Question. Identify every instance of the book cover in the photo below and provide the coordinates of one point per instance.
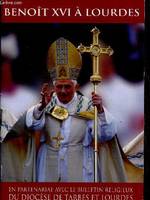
(108, 33)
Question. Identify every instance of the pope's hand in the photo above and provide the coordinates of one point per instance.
(97, 101)
(46, 94)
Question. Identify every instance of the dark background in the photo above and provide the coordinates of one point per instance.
(34, 40)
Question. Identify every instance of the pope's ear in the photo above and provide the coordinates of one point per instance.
(77, 87)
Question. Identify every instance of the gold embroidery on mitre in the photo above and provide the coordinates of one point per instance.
(64, 60)
(62, 72)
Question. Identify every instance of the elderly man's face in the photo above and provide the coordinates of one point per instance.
(65, 90)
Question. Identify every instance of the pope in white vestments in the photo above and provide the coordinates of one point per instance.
(66, 153)
(64, 119)
(74, 160)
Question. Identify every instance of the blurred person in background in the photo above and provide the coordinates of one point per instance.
(125, 100)
(134, 150)
(7, 121)
(16, 144)
(16, 98)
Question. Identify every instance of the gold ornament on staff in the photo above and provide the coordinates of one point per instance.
(95, 50)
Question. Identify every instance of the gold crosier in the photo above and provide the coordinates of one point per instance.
(95, 50)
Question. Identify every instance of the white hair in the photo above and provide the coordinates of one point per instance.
(73, 81)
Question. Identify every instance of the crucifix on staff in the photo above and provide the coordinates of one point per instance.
(95, 50)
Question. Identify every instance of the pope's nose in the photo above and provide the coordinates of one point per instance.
(63, 89)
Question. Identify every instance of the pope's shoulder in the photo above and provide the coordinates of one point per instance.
(86, 103)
